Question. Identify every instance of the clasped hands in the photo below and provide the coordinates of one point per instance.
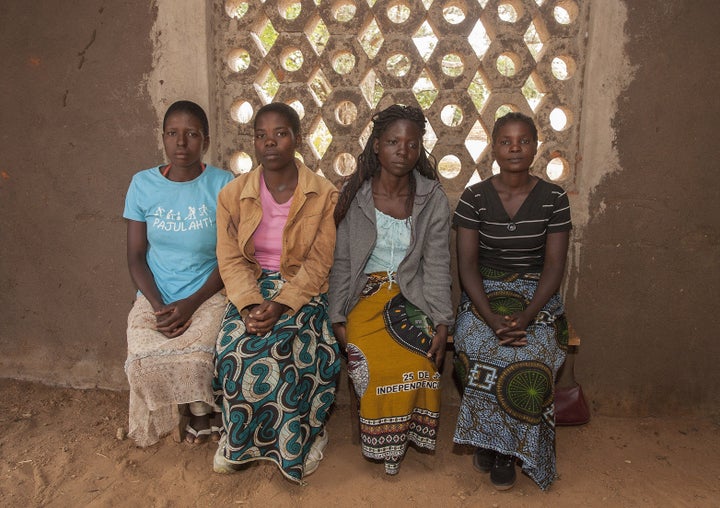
(173, 319)
(261, 318)
(510, 330)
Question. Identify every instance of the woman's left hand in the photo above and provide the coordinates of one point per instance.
(339, 330)
(437, 348)
(514, 333)
(262, 318)
(174, 318)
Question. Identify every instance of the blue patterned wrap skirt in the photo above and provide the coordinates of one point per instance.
(507, 402)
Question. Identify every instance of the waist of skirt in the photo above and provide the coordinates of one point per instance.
(380, 280)
(507, 276)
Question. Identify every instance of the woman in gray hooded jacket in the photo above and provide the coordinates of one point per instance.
(390, 296)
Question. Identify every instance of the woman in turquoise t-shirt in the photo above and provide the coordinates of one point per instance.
(172, 327)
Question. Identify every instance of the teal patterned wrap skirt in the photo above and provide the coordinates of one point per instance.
(275, 390)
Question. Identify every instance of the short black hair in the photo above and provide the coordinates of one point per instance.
(190, 108)
(514, 116)
(282, 109)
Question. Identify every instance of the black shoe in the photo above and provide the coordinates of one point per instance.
(483, 460)
(502, 474)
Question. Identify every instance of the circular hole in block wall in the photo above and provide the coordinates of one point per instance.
(346, 113)
(557, 168)
(343, 11)
(563, 67)
(560, 119)
(291, 59)
(236, 9)
(451, 115)
(449, 166)
(398, 64)
(507, 64)
(565, 12)
(507, 12)
(298, 107)
(452, 65)
(241, 111)
(398, 12)
(240, 162)
(343, 62)
(454, 12)
(289, 9)
(503, 110)
(344, 164)
(238, 60)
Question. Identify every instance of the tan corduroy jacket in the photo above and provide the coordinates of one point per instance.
(308, 239)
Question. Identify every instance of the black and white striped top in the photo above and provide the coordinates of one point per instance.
(517, 244)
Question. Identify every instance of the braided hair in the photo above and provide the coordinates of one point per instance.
(369, 165)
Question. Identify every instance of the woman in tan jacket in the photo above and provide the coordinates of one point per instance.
(277, 362)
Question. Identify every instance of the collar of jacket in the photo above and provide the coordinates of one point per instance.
(423, 189)
(306, 182)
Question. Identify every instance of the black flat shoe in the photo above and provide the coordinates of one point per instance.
(484, 459)
(502, 474)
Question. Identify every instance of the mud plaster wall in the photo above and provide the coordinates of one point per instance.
(80, 111)
(646, 279)
(76, 123)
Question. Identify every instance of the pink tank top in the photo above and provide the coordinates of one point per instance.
(268, 235)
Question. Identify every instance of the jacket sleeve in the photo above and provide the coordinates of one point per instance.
(340, 276)
(312, 277)
(237, 273)
(436, 262)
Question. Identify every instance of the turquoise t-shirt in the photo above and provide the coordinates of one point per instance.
(181, 229)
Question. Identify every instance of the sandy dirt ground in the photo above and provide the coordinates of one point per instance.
(60, 447)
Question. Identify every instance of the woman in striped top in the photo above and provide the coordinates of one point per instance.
(511, 334)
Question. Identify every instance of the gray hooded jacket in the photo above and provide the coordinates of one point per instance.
(424, 273)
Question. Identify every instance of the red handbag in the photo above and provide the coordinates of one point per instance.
(570, 405)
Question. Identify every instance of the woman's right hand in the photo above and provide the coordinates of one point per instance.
(174, 318)
(508, 329)
(262, 317)
(339, 332)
